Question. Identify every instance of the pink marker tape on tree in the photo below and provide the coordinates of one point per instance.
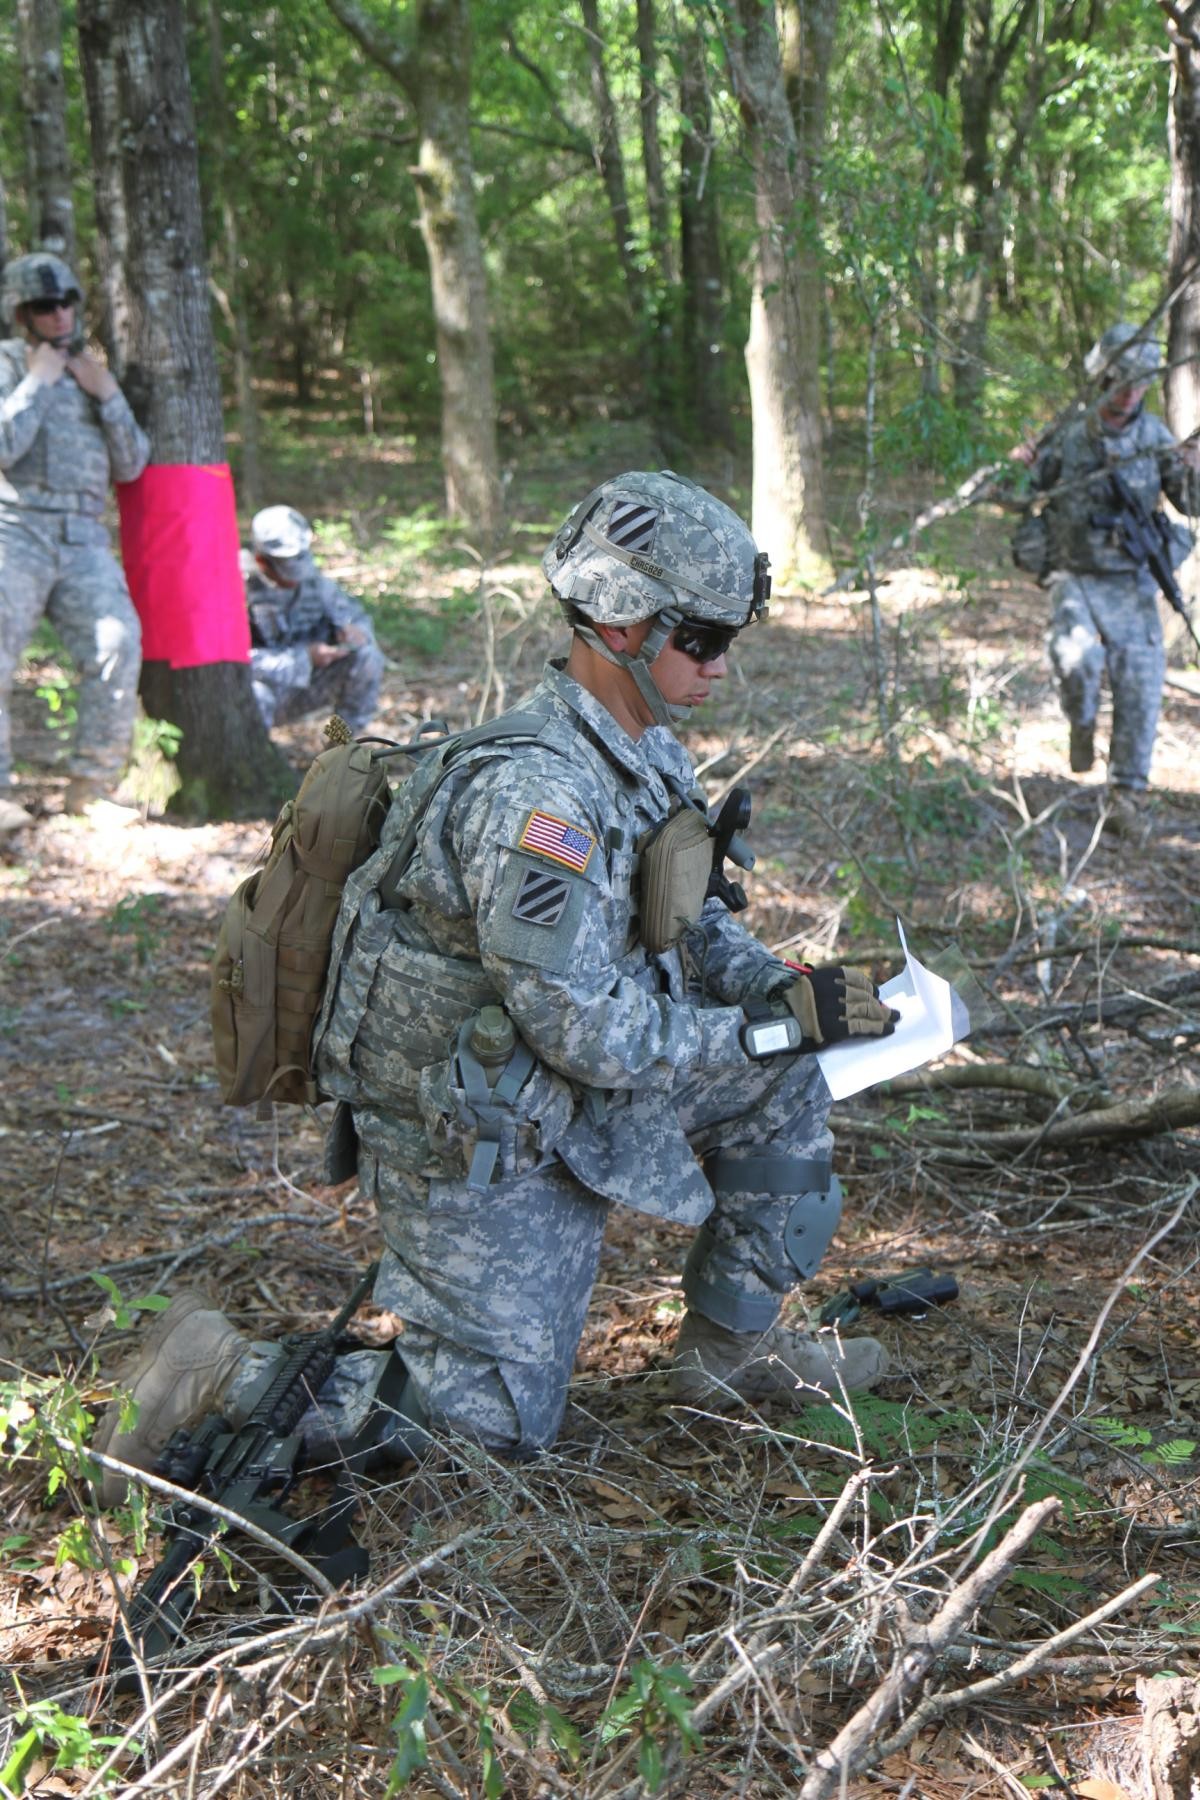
(179, 544)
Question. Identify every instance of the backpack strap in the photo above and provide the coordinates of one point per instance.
(510, 728)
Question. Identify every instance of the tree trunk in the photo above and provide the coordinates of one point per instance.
(227, 764)
(660, 287)
(990, 50)
(233, 298)
(52, 211)
(1183, 135)
(434, 68)
(702, 350)
(783, 350)
(611, 163)
(114, 320)
(652, 161)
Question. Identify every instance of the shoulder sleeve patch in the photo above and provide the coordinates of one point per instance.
(537, 914)
(545, 835)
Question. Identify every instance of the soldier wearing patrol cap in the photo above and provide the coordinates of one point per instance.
(1105, 613)
(66, 431)
(536, 1011)
(312, 646)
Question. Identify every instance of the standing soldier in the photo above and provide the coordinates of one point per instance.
(1105, 603)
(312, 646)
(66, 431)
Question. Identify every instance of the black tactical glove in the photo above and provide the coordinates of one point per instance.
(836, 1003)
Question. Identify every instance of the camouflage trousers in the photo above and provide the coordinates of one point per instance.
(60, 564)
(493, 1286)
(349, 686)
(1102, 622)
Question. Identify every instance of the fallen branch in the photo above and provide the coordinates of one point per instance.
(1174, 1109)
(1017, 1078)
(935, 1705)
(1100, 1011)
(851, 1749)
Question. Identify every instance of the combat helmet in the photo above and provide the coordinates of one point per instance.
(655, 546)
(284, 536)
(40, 276)
(1124, 354)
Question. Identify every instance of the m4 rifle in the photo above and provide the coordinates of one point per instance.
(247, 1469)
(1145, 537)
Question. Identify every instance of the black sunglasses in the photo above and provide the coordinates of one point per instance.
(704, 643)
(40, 308)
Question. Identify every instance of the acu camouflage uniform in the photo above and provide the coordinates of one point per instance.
(59, 449)
(283, 623)
(521, 889)
(1105, 611)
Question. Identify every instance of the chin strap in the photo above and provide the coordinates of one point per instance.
(638, 666)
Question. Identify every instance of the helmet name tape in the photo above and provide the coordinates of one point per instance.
(656, 571)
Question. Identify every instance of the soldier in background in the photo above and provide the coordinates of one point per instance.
(66, 431)
(1105, 607)
(312, 646)
(536, 1010)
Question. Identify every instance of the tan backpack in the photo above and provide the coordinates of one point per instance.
(272, 953)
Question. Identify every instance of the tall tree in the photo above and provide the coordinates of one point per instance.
(657, 202)
(231, 298)
(44, 99)
(227, 764)
(1183, 133)
(704, 369)
(783, 350)
(428, 53)
(610, 161)
(99, 63)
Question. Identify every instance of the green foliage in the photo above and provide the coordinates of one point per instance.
(137, 917)
(44, 1419)
(655, 1705)
(66, 1739)
(123, 1310)
(533, 1719)
(60, 697)
(151, 778)
(424, 1686)
(1119, 1432)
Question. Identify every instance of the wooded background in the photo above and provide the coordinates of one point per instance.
(499, 220)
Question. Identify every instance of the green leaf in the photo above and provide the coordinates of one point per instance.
(12, 1775)
(650, 1763)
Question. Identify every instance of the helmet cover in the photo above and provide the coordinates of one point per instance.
(646, 543)
(281, 533)
(40, 276)
(1124, 354)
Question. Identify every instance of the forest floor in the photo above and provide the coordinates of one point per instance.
(541, 1623)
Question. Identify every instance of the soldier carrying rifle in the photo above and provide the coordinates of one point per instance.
(1104, 551)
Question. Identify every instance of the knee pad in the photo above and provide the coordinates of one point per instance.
(812, 1218)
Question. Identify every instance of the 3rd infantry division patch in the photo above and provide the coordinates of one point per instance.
(542, 897)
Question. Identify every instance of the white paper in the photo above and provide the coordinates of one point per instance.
(924, 1030)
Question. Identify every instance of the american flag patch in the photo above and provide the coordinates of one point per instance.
(631, 526)
(552, 837)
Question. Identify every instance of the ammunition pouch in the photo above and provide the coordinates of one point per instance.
(675, 863)
(498, 1128)
(1031, 543)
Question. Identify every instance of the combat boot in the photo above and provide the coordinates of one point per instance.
(1083, 748)
(182, 1368)
(715, 1367)
(1129, 813)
